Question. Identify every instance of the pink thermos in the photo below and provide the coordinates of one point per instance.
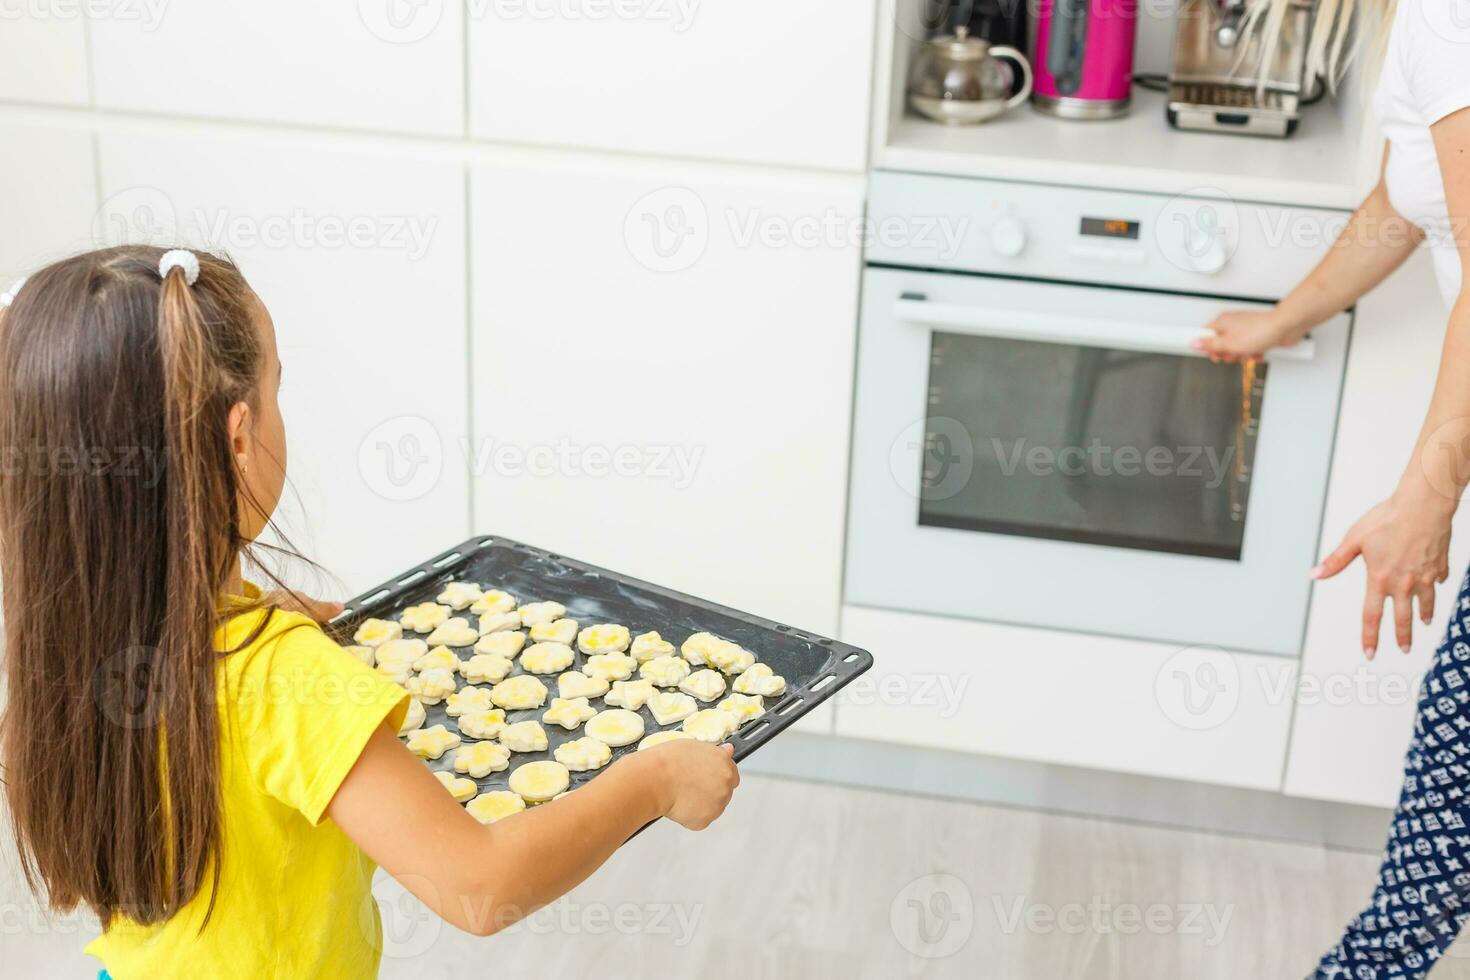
(1083, 57)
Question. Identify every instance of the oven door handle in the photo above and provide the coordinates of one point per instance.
(1085, 331)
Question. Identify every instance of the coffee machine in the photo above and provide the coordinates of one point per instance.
(1215, 82)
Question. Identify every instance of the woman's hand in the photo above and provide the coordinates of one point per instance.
(1404, 544)
(1241, 335)
(697, 780)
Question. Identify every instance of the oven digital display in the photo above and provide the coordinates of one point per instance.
(1110, 228)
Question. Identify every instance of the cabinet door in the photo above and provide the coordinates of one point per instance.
(43, 54)
(662, 372)
(51, 194)
(360, 260)
(378, 64)
(1354, 718)
(774, 81)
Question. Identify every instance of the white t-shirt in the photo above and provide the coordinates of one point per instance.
(1425, 77)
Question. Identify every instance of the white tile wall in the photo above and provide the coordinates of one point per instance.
(43, 54)
(48, 196)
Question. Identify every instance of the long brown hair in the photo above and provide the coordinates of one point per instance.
(119, 530)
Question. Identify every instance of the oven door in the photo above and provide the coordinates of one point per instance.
(1059, 456)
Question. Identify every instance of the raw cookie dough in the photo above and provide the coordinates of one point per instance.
(401, 652)
(524, 736)
(711, 725)
(482, 724)
(668, 707)
(486, 668)
(659, 738)
(568, 712)
(492, 623)
(432, 742)
(456, 632)
(372, 632)
(521, 691)
(760, 679)
(630, 694)
(537, 782)
(458, 595)
(696, 649)
(583, 754)
(615, 727)
(609, 666)
(414, 718)
(646, 646)
(363, 654)
(460, 788)
(440, 657)
(480, 759)
(604, 638)
(423, 617)
(743, 706)
(432, 686)
(502, 644)
(731, 658)
(556, 631)
(575, 684)
(541, 612)
(665, 671)
(493, 601)
(703, 684)
(467, 701)
(395, 672)
(547, 658)
(495, 805)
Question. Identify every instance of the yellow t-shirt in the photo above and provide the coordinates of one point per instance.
(294, 901)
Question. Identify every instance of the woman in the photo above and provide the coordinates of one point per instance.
(1423, 894)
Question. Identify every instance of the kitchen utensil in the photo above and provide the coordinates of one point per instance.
(961, 80)
(1083, 54)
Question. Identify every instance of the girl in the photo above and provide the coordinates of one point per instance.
(1423, 893)
(193, 761)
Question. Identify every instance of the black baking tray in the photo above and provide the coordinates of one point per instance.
(815, 667)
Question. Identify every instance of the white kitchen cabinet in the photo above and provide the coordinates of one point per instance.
(1354, 718)
(360, 260)
(769, 81)
(663, 360)
(378, 65)
(48, 197)
(43, 54)
(1203, 715)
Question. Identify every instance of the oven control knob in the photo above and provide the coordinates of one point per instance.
(1204, 249)
(1008, 237)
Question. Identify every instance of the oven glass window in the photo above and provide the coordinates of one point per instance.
(1085, 444)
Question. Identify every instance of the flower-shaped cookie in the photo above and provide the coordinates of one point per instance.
(575, 684)
(743, 706)
(503, 644)
(711, 725)
(615, 726)
(432, 686)
(524, 736)
(413, 718)
(541, 612)
(521, 691)
(583, 754)
(423, 617)
(456, 632)
(506, 622)
(459, 595)
(659, 738)
(703, 684)
(495, 805)
(432, 742)
(556, 631)
(467, 701)
(646, 646)
(696, 649)
(480, 759)
(547, 658)
(630, 694)
(760, 679)
(568, 712)
(604, 638)
(609, 666)
(484, 668)
(665, 671)
(668, 707)
(493, 601)
(460, 788)
(731, 658)
(442, 658)
(400, 651)
(537, 782)
(373, 632)
(481, 724)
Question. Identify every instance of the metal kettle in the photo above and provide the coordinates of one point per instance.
(962, 80)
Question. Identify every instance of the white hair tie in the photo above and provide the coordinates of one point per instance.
(179, 258)
(8, 297)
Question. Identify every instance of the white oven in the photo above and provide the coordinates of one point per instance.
(1035, 441)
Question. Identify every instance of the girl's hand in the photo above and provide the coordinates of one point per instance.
(1242, 335)
(319, 610)
(1405, 548)
(696, 780)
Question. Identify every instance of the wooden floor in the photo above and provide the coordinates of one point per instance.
(815, 882)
